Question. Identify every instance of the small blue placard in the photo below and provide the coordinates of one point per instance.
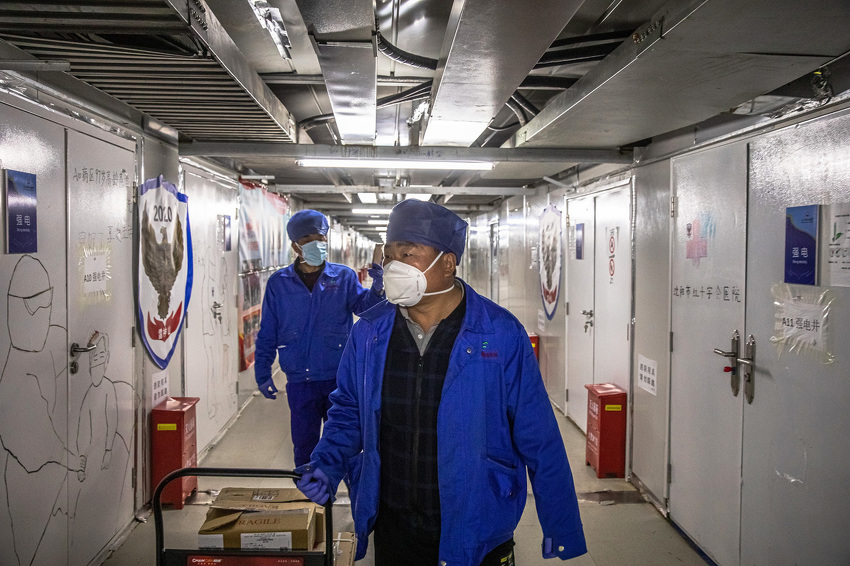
(801, 244)
(21, 225)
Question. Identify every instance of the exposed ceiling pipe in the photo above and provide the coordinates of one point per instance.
(401, 56)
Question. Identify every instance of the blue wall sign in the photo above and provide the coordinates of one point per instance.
(21, 225)
(801, 244)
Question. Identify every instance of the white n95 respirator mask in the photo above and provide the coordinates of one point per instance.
(404, 284)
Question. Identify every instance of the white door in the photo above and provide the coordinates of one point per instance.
(580, 323)
(102, 397)
(796, 464)
(599, 277)
(612, 288)
(35, 458)
(708, 278)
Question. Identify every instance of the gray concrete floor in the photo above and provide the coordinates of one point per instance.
(617, 534)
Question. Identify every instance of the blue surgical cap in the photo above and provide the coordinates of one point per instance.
(306, 222)
(427, 223)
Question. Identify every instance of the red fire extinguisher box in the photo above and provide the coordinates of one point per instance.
(535, 344)
(173, 446)
(606, 430)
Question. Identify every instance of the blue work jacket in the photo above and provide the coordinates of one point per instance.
(308, 330)
(494, 421)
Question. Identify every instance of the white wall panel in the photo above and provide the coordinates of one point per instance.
(650, 416)
(211, 335)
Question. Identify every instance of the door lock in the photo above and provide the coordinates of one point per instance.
(76, 350)
(732, 354)
(749, 363)
(589, 322)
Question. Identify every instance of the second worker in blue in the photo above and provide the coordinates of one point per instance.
(306, 319)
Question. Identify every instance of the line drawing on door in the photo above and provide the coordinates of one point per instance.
(35, 459)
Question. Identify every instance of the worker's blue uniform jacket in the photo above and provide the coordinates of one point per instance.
(494, 420)
(308, 330)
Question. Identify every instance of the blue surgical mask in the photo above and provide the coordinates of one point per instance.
(314, 253)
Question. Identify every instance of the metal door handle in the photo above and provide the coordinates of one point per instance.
(587, 313)
(720, 352)
(76, 349)
(749, 363)
(734, 378)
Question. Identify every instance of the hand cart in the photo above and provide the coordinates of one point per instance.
(190, 557)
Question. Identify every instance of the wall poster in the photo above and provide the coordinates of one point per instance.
(838, 263)
(550, 252)
(263, 249)
(165, 266)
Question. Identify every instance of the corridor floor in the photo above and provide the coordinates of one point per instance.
(621, 528)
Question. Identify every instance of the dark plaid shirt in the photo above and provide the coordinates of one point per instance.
(410, 397)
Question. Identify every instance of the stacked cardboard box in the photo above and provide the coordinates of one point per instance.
(272, 519)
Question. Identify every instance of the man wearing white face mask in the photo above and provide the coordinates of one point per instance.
(306, 318)
(439, 412)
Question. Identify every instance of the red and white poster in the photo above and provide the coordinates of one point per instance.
(165, 266)
(550, 259)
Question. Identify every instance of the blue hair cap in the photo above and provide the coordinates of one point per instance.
(306, 222)
(427, 223)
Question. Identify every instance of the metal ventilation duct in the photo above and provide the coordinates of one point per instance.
(210, 95)
(693, 60)
(343, 36)
(490, 47)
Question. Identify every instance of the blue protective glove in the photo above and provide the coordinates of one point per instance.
(548, 551)
(376, 272)
(268, 389)
(313, 483)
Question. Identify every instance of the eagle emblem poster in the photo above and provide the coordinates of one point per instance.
(165, 266)
(550, 259)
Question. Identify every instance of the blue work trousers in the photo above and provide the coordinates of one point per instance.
(308, 407)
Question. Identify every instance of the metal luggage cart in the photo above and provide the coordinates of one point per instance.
(226, 557)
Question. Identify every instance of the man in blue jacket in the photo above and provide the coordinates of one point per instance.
(440, 410)
(307, 315)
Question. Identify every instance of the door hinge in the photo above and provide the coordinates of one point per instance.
(237, 388)
(669, 473)
(133, 479)
(672, 207)
(135, 193)
(671, 341)
(132, 336)
(566, 308)
(567, 397)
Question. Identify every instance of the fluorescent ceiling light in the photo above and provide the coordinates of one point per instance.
(368, 198)
(367, 211)
(397, 164)
(417, 196)
(378, 222)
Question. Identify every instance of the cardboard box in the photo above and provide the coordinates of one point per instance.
(345, 545)
(262, 519)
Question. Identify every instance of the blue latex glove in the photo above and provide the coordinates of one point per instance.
(313, 483)
(548, 552)
(268, 389)
(376, 272)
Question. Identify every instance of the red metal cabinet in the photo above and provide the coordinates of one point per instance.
(535, 344)
(174, 446)
(606, 430)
